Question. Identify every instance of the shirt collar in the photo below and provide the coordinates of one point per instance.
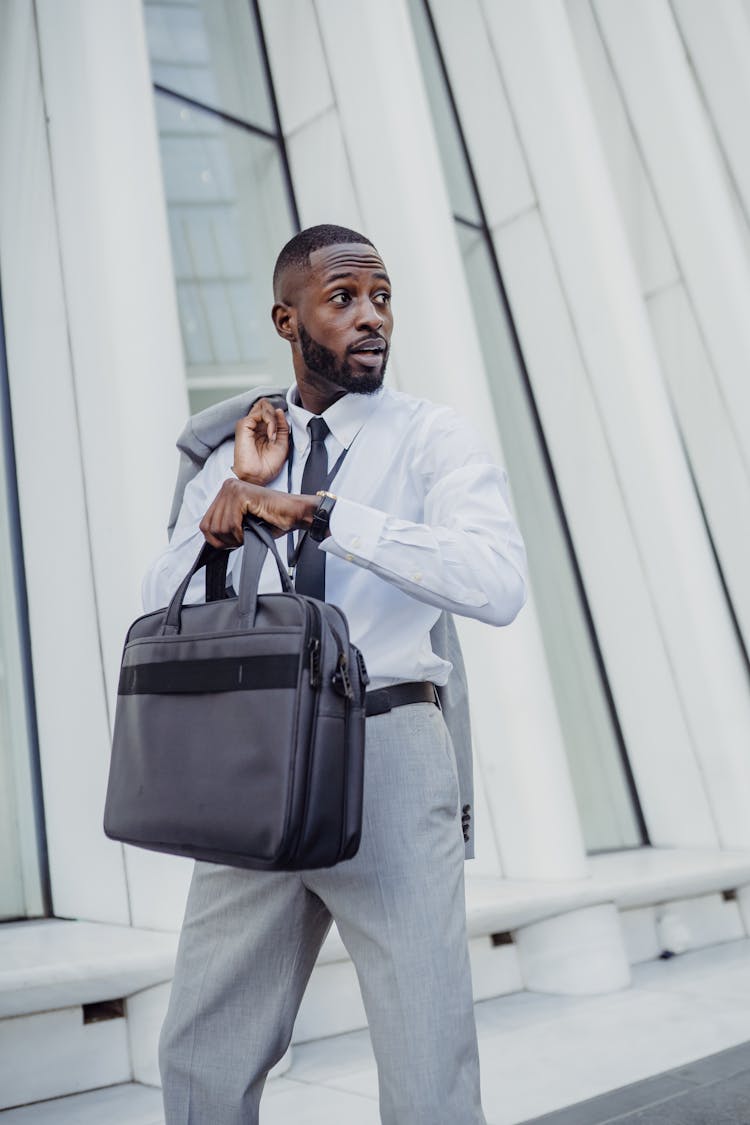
(345, 418)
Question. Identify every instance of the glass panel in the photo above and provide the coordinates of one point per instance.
(20, 888)
(228, 219)
(460, 190)
(599, 780)
(209, 50)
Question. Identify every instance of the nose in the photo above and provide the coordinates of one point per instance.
(369, 315)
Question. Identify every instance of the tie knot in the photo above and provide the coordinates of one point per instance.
(318, 428)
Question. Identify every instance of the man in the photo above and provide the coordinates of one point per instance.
(416, 521)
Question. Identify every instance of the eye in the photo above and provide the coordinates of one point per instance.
(384, 297)
(341, 298)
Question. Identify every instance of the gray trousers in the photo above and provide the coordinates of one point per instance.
(250, 940)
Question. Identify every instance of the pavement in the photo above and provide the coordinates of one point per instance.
(711, 1091)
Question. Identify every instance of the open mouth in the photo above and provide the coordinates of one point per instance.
(369, 351)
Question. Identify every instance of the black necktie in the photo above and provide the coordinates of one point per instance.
(310, 576)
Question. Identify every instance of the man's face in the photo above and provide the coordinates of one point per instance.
(344, 318)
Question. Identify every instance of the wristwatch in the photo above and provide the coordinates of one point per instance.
(322, 516)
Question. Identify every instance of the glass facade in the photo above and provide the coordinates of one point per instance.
(21, 823)
(229, 198)
(602, 783)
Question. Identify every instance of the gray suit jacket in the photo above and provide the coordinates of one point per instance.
(207, 430)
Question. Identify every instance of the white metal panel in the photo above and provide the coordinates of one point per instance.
(86, 869)
(300, 75)
(122, 316)
(690, 182)
(716, 454)
(158, 886)
(545, 86)
(327, 198)
(497, 156)
(717, 37)
(659, 745)
(400, 185)
(639, 211)
(121, 319)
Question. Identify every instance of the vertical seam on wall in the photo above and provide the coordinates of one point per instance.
(670, 238)
(683, 282)
(352, 177)
(76, 411)
(23, 634)
(635, 539)
(508, 102)
(701, 90)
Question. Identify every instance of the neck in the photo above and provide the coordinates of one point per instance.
(317, 394)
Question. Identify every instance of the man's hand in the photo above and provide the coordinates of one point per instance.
(222, 523)
(261, 443)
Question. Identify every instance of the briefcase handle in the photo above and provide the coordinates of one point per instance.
(258, 541)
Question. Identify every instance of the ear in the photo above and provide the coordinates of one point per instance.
(284, 319)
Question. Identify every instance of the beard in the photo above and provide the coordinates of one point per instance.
(323, 362)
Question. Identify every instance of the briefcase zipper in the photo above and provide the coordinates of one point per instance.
(314, 650)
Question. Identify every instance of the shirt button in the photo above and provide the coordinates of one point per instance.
(355, 541)
(349, 558)
(416, 577)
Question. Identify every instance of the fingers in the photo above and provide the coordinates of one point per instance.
(265, 420)
(222, 524)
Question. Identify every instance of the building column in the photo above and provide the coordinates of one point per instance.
(86, 870)
(121, 339)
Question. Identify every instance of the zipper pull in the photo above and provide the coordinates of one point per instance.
(314, 647)
(363, 675)
(340, 678)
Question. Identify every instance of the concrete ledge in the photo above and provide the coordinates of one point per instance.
(54, 964)
(636, 877)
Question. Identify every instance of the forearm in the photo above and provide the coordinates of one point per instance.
(475, 567)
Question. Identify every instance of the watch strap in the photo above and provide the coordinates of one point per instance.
(321, 518)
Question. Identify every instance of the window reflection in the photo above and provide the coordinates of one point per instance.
(227, 190)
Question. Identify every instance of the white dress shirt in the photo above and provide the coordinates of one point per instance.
(422, 523)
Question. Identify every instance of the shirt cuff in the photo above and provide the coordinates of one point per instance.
(355, 530)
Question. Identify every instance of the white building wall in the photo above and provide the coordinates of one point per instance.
(684, 162)
(98, 394)
(591, 238)
(87, 871)
(707, 424)
(682, 710)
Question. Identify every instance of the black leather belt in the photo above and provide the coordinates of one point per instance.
(398, 695)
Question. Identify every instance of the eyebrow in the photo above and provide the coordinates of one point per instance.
(338, 276)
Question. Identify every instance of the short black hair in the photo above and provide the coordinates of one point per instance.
(299, 248)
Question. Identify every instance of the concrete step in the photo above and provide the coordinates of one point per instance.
(53, 963)
(81, 1005)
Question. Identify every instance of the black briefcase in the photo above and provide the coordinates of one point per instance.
(240, 727)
